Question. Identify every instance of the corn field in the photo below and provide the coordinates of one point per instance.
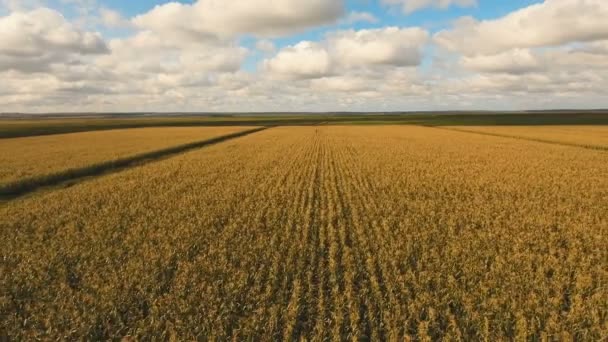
(594, 137)
(27, 159)
(319, 233)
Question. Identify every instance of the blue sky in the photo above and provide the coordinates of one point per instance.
(485, 9)
(431, 18)
(232, 55)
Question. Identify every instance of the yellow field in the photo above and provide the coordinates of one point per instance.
(23, 159)
(323, 233)
(589, 136)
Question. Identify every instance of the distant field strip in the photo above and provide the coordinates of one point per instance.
(592, 137)
(11, 128)
(28, 163)
(43, 125)
(323, 233)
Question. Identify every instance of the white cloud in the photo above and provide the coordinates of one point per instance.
(345, 83)
(592, 56)
(409, 6)
(35, 40)
(509, 86)
(227, 18)
(145, 57)
(551, 23)
(595, 48)
(341, 51)
(191, 58)
(303, 60)
(387, 46)
(515, 61)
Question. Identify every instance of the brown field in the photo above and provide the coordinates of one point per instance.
(587, 136)
(23, 159)
(320, 233)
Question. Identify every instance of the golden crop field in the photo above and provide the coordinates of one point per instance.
(24, 159)
(319, 233)
(587, 136)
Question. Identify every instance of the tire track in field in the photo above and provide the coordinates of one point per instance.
(371, 292)
(344, 277)
(386, 265)
(321, 249)
(259, 219)
(519, 137)
(271, 317)
(283, 283)
(315, 279)
(74, 176)
(333, 317)
(355, 276)
(287, 296)
(309, 211)
(337, 283)
(339, 319)
(372, 242)
(283, 286)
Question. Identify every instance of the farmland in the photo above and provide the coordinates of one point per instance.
(22, 126)
(322, 233)
(30, 160)
(595, 137)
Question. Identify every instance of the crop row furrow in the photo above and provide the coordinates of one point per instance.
(379, 236)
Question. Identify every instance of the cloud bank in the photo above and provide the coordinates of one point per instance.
(318, 55)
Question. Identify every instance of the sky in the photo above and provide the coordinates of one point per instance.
(294, 55)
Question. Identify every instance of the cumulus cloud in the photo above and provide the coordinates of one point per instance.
(392, 46)
(303, 60)
(227, 18)
(596, 48)
(54, 60)
(551, 23)
(517, 61)
(410, 6)
(35, 40)
(556, 48)
(147, 63)
(345, 83)
(192, 57)
(388, 46)
(510, 86)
